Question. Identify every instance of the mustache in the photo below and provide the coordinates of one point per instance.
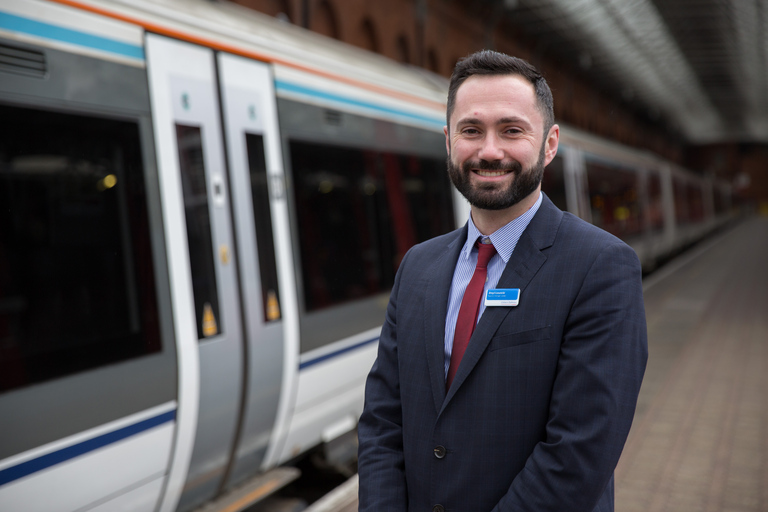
(495, 165)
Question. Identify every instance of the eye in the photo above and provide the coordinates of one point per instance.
(470, 131)
(513, 130)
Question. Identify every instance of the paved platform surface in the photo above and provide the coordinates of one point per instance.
(699, 442)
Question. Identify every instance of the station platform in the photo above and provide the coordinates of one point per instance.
(699, 441)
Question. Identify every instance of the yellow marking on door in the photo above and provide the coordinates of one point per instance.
(209, 321)
(224, 254)
(273, 307)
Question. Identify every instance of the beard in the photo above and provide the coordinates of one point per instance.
(493, 196)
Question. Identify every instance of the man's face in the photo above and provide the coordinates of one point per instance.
(496, 148)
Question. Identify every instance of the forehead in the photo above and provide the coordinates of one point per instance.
(504, 95)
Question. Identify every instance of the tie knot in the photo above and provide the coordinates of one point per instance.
(484, 254)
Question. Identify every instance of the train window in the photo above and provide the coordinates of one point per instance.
(77, 284)
(614, 199)
(682, 212)
(263, 221)
(553, 183)
(655, 202)
(199, 236)
(358, 212)
(695, 202)
(720, 201)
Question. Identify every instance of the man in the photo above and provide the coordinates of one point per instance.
(530, 409)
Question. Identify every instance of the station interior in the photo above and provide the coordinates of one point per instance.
(686, 79)
(679, 81)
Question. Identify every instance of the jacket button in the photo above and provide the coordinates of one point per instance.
(438, 508)
(440, 452)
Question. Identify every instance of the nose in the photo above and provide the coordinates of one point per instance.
(491, 149)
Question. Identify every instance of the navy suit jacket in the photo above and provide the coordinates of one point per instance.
(543, 400)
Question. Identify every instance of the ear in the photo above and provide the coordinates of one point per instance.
(551, 144)
(447, 140)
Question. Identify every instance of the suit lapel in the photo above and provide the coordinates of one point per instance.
(438, 286)
(525, 262)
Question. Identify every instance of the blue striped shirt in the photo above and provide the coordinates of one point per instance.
(504, 240)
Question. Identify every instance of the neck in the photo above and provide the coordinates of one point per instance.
(490, 221)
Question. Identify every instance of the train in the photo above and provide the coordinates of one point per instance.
(202, 211)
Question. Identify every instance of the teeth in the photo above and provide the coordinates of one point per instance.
(491, 173)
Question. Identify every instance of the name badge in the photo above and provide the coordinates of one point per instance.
(503, 297)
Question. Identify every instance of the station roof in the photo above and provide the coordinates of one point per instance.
(700, 66)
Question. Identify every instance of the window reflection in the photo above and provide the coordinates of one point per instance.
(655, 202)
(77, 285)
(199, 236)
(270, 297)
(613, 193)
(358, 212)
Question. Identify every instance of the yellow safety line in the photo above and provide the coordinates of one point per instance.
(251, 497)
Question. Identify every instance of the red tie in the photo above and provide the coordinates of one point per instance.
(470, 305)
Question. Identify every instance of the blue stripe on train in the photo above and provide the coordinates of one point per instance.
(66, 35)
(300, 89)
(70, 452)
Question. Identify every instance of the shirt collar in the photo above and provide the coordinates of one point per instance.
(505, 238)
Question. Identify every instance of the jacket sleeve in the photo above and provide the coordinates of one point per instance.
(602, 359)
(381, 466)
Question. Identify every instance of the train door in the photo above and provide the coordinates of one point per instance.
(192, 167)
(576, 186)
(258, 202)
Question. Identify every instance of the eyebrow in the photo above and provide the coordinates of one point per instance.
(503, 120)
(507, 120)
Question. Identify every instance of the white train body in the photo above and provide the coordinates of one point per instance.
(201, 213)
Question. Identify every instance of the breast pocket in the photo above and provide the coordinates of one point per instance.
(514, 339)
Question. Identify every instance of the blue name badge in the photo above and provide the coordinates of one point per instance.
(503, 297)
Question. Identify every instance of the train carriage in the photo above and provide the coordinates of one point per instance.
(202, 210)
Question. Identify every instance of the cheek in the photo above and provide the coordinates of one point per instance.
(523, 152)
(460, 150)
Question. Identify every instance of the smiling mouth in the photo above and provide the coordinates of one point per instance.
(491, 174)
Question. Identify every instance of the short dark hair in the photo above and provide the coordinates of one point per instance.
(488, 62)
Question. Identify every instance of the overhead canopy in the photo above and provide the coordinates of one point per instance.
(700, 65)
